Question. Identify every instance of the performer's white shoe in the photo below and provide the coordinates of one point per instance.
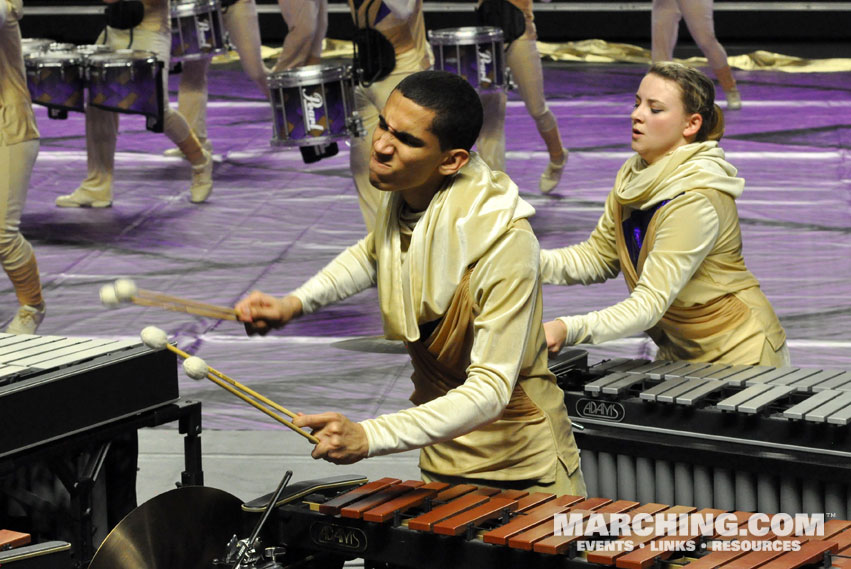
(552, 175)
(83, 197)
(734, 100)
(178, 153)
(27, 319)
(202, 180)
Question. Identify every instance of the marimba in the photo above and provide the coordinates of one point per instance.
(751, 438)
(439, 526)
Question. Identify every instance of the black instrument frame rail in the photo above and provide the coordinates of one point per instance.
(186, 412)
(42, 408)
(310, 536)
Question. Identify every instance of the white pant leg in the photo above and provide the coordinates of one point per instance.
(664, 25)
(16, 161)
(307, 22)
(241, 23)
(525, 62)
(102, 126)
(698, 15)
(491, 142)
(192, 95)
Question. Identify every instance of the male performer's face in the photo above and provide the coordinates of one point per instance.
(659, 121)
(406, 155)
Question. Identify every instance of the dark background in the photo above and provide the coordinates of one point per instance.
(787, 27)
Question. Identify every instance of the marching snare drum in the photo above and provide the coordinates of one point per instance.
(56, 80)
(474, 53)
(197, 30)
(313, 105)
(92, 49)
(127, 81)
(61, 46)
(30, 46)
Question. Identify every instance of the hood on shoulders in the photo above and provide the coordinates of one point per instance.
(699, 165)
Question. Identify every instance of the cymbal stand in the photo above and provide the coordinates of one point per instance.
(244, 550)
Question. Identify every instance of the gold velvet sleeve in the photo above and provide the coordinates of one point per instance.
(349, 273)
(592, 261)
(504, 287)
(687, 229)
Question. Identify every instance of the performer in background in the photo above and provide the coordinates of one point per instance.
(670, 225)
(517, 21)
(307, 22)
(150, 34)
(240, 20)
(455, 261)
(391, 41)
(698, 14)
(18, 150)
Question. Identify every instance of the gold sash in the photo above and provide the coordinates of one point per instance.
(441, 360)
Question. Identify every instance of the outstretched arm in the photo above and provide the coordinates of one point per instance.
(592, 261)
(687, 230)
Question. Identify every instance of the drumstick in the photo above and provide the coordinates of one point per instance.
(125, 290)
(197, 368)
(220, 312)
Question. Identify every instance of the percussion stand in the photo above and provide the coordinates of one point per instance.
(242, 554)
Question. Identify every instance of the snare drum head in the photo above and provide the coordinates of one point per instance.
(468, 35)
(126, 56)
(57, 46)
(55, 59)
(92, 49)
(34, 45)
(309, 75)
(182, 8)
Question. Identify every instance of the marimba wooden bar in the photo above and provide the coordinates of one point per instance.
(434, 525)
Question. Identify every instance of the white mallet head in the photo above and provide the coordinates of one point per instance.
(155, 338)
(195, 367)
(125, 289)
(108, 297)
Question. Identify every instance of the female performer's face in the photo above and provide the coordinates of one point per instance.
(659, 121)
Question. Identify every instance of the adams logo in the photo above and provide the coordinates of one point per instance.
(596, 409)
(338, 537)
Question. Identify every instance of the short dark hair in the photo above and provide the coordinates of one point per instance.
(457, 108)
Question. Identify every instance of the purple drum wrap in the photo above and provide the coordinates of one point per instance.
(481, 65)
(130, 88)
(310, 112)
(196, 34)
(59, 85)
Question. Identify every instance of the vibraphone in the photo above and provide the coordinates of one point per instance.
(60, 394)
(750, 438)
(435, 525)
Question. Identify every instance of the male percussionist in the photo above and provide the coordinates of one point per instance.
(456, 264)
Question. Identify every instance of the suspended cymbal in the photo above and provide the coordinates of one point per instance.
(184, 528)
(372, 344)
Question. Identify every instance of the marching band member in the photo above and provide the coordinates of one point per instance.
(18, 150)
(456, 264)
(670, 225)
(240, 21)
(521, 54)
(150, 33)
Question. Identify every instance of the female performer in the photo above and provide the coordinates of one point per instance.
(670, 225)
(18, 150)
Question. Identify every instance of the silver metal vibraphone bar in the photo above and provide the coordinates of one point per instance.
(752, 438)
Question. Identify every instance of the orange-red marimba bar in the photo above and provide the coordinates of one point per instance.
(517, 521)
